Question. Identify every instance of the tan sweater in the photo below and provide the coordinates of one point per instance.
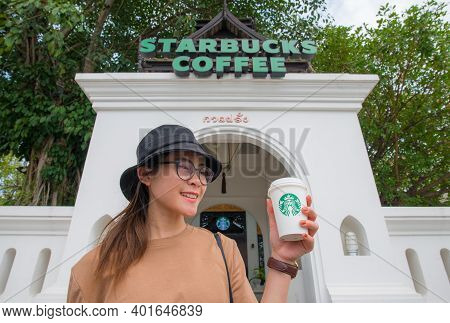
(185, 268)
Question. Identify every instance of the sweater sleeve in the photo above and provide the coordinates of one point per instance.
(74, 294)
(242, 291)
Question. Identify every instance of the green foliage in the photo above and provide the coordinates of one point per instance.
(47, 121)
(339, 50)
(45, 118)
(260, 274)
(11, 179)
(405, 120)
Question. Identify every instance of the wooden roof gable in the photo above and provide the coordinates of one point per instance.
(226, 20)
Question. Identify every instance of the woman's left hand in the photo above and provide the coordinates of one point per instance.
(289, 251)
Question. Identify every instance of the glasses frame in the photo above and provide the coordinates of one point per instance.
(196, 170)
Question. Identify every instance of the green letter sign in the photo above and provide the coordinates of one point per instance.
(206, 56)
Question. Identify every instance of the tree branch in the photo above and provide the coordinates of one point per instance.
(427, 188)
(89, 64)
(89, 7)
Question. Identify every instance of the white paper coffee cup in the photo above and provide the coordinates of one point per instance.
(288, 196)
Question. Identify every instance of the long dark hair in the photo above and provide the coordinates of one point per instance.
(125, 238)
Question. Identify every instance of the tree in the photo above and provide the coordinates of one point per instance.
(45, 118)
(405, 120)
(11, 179)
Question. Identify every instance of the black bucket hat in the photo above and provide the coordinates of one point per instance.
(161, 140)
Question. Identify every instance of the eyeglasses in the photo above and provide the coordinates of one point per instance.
(186, 170)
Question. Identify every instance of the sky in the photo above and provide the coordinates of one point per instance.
(357, 12)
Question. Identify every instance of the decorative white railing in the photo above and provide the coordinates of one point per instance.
(422, 236)
(32, 241)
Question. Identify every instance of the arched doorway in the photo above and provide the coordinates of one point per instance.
(247, 186)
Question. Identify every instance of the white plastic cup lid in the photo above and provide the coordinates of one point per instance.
(286, 181)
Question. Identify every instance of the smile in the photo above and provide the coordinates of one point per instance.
(192, 196)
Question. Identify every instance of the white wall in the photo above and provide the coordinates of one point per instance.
(426, 230)
(332, 159)
(29, 230)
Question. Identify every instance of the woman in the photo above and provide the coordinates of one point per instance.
(148, 253)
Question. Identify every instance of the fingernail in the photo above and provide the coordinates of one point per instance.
(302, 222)
(305, 236)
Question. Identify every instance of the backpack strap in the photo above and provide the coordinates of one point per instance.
(219, 242)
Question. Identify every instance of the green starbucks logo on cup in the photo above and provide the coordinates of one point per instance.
(289, 204)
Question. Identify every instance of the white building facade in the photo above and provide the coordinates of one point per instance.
(303, 125)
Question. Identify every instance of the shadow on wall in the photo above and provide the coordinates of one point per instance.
(40, 271)
(416, 271)
(445, 260)
(5, 267)
(97, 229)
